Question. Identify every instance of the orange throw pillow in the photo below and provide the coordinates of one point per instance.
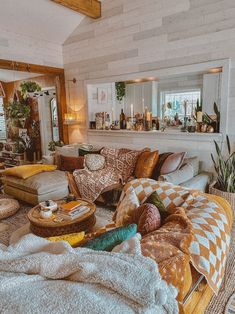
(146, 164)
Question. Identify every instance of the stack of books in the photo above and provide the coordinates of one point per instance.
(73, 210)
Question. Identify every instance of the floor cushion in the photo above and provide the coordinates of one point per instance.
(8, 207)
(38, 188)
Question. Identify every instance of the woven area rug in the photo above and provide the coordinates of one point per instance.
(218, 303)
(11, 224)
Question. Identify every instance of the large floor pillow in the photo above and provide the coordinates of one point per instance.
(8, 207)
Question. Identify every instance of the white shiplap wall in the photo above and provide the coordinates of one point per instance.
(14, 46)
(142, 35)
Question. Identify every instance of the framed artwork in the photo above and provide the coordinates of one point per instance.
(102, 95)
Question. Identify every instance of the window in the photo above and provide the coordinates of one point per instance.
(174, 103)
(2, 121)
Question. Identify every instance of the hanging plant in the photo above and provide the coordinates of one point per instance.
(120, 90)
(29, 87)
(17, 110)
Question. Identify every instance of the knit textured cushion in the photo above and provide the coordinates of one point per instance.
(8, 207)
(146, 164)
(94, 162)
(147, 218)
(108, 240)
(155, 200)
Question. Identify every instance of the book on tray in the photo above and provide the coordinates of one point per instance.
(73, 210)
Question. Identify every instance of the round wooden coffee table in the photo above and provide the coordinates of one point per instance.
(54, 226)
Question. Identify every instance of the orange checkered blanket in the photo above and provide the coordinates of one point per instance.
(211, 228)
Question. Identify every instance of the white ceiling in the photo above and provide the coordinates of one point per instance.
(40, 19)
(10, 76)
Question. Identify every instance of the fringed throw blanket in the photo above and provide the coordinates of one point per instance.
(119, 167)
(37, 276)
(210, 224)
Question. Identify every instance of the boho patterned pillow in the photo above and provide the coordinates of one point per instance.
(94, 162)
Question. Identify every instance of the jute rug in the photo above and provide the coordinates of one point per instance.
(104, 216)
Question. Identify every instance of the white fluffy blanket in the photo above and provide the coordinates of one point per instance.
(37, 276)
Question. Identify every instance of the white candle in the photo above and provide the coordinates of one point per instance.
(132, 111)
(113, 115)
(199, 116)
(143, 104)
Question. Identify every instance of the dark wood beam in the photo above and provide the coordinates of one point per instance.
(91, 8)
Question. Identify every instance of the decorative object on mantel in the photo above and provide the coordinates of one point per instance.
(72, 116)
(225, 170)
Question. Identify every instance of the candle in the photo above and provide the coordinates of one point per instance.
(132, 111)
(113, 116)
(199, 116)
(143, 104)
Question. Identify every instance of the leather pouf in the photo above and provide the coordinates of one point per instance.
(8, 207)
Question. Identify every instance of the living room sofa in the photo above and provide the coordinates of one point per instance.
(55, 185)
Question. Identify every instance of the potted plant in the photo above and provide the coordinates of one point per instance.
(225, 170)
(120, 90)
(29, 88)
(18, 112)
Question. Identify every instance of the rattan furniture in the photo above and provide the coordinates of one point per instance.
(55, 227)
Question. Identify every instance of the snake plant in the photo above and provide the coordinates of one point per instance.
(225, 168)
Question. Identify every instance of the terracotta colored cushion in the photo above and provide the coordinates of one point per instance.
(146, 164)
(167, 163)
(68, 163)
(27, 171)
(147, 218)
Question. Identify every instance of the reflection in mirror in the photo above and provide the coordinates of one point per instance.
(54, 120)
(184, 102)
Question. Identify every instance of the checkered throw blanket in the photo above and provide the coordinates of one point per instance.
(211, 231)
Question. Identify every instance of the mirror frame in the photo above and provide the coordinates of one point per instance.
(58, 73)
(177, 70)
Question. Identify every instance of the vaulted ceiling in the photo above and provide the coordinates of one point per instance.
(39, 19)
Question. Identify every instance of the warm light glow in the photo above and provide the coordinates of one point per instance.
(70, 118)
(215, 70)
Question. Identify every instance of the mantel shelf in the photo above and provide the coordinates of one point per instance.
(176, 135)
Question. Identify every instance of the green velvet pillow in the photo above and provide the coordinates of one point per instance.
(108, 240)
(155, 200)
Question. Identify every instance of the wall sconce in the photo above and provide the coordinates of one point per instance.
(71, 117)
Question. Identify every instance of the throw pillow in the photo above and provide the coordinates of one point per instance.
(167, 163)
(126, 208)
(155, 200)
(70, 164)
(194, 162)
(73, 238)
(108, 240)
(145, 165)
(94, 162)
(26, 171)
(147, 218)
(177, 177)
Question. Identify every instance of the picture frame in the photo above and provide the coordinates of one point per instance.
(102, 95)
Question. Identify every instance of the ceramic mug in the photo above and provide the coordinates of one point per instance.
(46, 213)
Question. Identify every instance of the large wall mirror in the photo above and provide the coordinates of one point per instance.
(192, 99)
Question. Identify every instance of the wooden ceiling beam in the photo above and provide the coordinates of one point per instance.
(91, 8)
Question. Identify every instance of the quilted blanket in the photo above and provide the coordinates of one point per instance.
(37, 276)
(211, 228)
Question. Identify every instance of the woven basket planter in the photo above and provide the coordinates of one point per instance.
(230, 197)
